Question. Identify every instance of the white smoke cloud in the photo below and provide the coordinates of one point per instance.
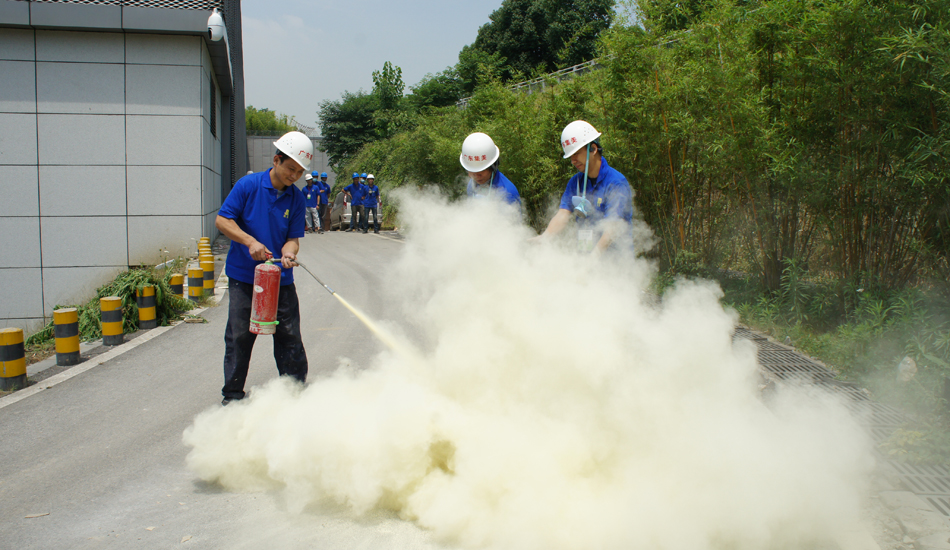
(552, 404)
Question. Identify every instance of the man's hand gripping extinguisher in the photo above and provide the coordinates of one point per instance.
(264, 300)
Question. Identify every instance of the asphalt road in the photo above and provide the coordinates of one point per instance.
(97, 461)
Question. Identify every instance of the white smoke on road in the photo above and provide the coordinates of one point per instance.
(553, 405)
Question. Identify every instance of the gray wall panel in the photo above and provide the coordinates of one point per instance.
(17, 44)
(17, 139)
(80, 88)
(164, 90)
(82, 190)
(19, 191)
(91, 47)
(17, 87)
(82, 140)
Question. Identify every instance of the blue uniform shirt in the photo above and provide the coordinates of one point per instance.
(272, 220)
(356, 191)
(324, 192)
(310, 195)
(499, 184)
(371, 198)
(609, 193)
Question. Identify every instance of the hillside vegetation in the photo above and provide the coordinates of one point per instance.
(796, 150)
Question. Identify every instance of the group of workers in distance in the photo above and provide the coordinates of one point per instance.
(265, 215)
(316, 197)
(364, 198)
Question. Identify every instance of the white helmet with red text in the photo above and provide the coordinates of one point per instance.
(478, 152)
(576, 135)
(296, 146)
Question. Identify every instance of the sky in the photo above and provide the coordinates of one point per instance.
(298, 53)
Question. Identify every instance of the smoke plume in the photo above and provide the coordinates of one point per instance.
(550, 402)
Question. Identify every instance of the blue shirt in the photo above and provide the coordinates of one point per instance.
(371, 198)
(324, 192)
(498, 185)
(310, 195)
(356, 191)
(609, 193)
(254, 205)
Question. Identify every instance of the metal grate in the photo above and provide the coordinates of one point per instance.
(940, 503)
(767, 345)
(742, 332)
(167, 4)
(930, 482)
(873, 414)
(880, 433)
(786, 372)
(786, 357)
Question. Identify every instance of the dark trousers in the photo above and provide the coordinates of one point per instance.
(356, 215)
(365, 220)
(324, 220)
(239, 340)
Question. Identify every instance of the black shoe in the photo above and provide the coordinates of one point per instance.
(226, 400)
(364, 231)
(376, 231)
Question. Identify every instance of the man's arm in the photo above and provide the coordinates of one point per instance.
(289, 252)
(234, 232)
(557, 223)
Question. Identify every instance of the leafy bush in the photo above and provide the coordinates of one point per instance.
(168, 307)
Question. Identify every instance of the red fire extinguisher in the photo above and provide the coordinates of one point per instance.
(264, 301)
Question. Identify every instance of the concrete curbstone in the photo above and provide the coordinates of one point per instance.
(937, 541)
(920, 523)
(904, 499)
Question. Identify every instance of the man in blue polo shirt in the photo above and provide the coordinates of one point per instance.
(598, 197)
(355, 192)
(264, 216)
(370, 204)
(311, 197)
(324, 192)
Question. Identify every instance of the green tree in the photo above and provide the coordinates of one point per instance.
(437, 90)
(347, 124)
(388, 86)
(264, 122)
(538, 36)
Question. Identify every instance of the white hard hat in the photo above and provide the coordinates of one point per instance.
(478, 152)
(371, 177)
(308, 177)
(576, 135)
(296, 146)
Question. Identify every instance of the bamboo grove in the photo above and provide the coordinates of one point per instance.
(754, 134)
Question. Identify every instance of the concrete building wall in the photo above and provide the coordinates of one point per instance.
(108, 157)
(260, 154)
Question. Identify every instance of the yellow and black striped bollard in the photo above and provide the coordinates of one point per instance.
(177, 282)
(66, 332)
(112, 334)
(145, 299)
(207, 269)
(196, 283)
(12, 359)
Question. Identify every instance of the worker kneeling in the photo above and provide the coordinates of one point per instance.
(264, 216)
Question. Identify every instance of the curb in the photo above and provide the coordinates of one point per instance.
(220, 289)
